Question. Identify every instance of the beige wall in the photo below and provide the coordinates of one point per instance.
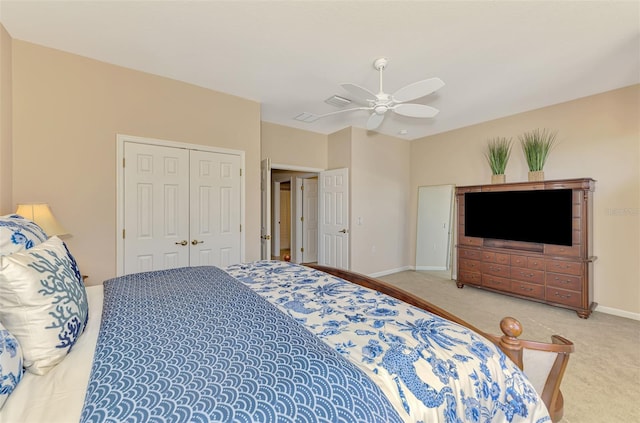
(599, 137)
(294, 147)
(380, 179)
(339, 149)
(67, 111)
(6, 204)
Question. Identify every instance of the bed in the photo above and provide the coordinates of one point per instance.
(275, 341)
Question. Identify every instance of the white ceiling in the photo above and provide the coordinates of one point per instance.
(497, 58)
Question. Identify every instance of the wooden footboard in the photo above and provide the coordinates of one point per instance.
(508, 342)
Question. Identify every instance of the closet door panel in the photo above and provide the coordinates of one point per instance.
(215, 208)
(156, 190)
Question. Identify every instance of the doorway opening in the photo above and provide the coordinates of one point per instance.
(294, 213)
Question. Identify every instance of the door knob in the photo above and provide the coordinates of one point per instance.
(344, 231)
(183, 242)
(196, 242)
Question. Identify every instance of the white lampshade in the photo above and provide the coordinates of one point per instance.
(41, 214)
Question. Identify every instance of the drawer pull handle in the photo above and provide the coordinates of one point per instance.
(565, 281)
(565, 297)
(524, 288)
(526, 275)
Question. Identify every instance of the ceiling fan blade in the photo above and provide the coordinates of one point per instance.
(359, 93)
(374, 121)
(415, 110)
(417, 90)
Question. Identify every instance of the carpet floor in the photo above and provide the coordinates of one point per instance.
(602, 380)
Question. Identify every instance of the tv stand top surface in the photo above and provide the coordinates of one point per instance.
(577, 183)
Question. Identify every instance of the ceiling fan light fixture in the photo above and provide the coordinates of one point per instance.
(381, 109)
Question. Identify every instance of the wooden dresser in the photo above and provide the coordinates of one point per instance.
(553, 274)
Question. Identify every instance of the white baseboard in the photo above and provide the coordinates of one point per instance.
(430, 268)
(618, 312)
(389, 272)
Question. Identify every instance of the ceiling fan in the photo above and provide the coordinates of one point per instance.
(379, 104)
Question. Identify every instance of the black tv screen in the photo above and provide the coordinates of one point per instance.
(542, 216)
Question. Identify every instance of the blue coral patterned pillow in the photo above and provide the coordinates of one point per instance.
(18, 233)
(43, 302)
(10, 364)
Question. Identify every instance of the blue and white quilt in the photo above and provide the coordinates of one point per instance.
(280, 342)
(431, 369)
(196, 345)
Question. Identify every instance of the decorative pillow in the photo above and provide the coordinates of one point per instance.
(10, 364)
(18, 233)
(43, 302)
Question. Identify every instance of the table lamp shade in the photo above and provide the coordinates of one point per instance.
(41, 214)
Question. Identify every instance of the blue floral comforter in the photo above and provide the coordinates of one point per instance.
(431, 369)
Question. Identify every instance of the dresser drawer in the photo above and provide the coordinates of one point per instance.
(527, 275)
(563, 296)
(528, 289)
(495, 269)
(561, 250)
(468, 240)
(519, 261)
(493, 257)
(536, 263)
(473, 278)
(561, 266)
(496, 282)
(467, 253)
(558, 280)
(470, 265)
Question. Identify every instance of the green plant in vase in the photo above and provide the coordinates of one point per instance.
(536, 145)
(498, 153)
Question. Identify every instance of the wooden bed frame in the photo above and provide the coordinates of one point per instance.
(508, 342)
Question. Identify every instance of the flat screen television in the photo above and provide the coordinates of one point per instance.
(541, 216)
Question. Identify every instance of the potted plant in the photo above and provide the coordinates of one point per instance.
(536, 145)
(498, 152)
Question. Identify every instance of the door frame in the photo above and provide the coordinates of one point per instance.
(121, 139)
(426, 224)
(292, 168)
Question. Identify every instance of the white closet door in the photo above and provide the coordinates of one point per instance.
(214, 208)
(156, 212)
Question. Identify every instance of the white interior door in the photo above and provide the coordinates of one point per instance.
(156, 213)
(265, 219)
(333, 223)
(178, 205)
(214, 209)
(297, 253)
(310, 220)
(276, 219)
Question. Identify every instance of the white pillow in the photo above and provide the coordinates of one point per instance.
(18, 233)
(10, 364)
(43, 302)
